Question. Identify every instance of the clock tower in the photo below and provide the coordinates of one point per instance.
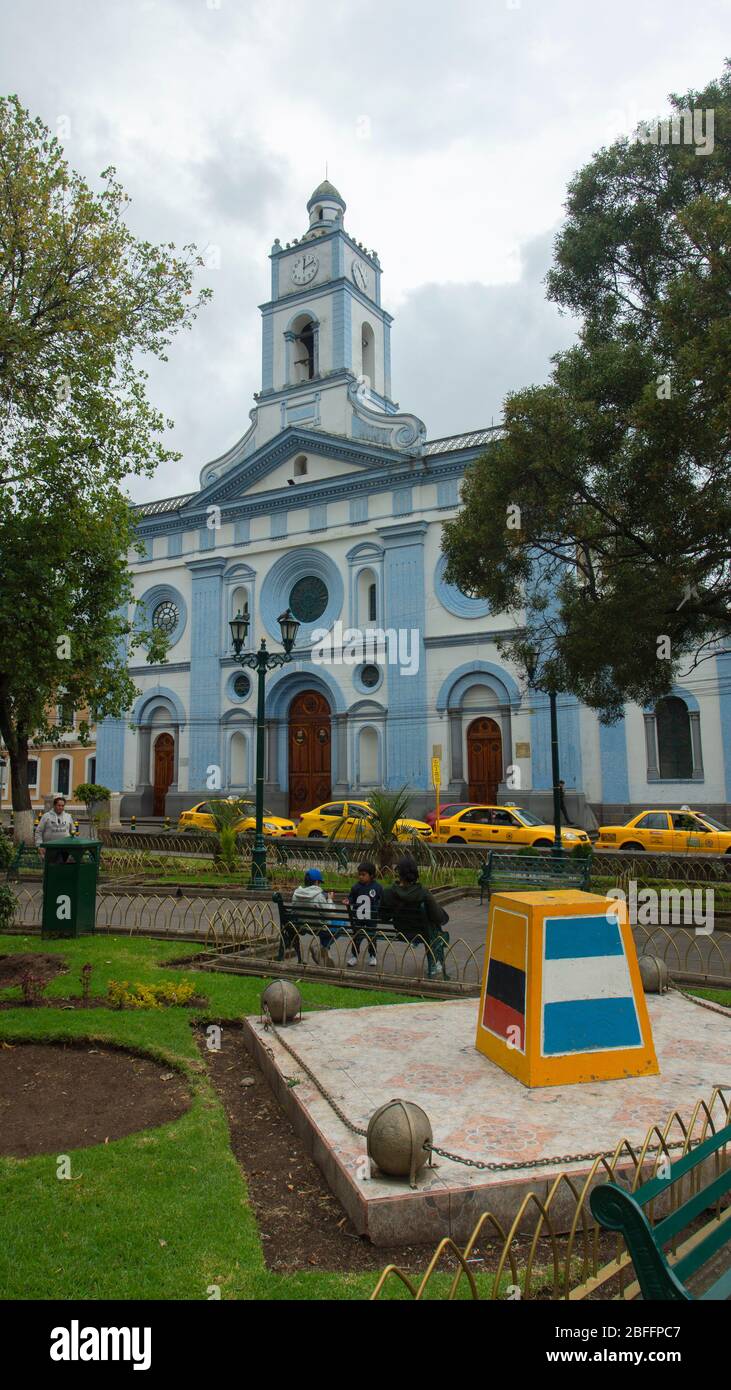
(326, 349)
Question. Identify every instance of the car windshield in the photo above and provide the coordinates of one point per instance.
(714, 824)
(527, 817)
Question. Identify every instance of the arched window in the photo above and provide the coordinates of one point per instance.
(367, 598)
(62, 776)
(300, 466)
(368, 757)
(368, 350)
(674, 741)
(303, 349)
(238, 774)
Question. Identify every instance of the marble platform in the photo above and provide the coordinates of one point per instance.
(425, 1053)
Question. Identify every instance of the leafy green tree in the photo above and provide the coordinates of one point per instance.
(601, 518)
(81, 302)
(96, 800)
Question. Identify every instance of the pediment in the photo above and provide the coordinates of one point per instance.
(271, 467)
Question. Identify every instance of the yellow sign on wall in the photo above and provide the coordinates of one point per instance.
(436, 772)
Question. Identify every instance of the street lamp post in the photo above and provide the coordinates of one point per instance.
(531, 667)
(261, 662)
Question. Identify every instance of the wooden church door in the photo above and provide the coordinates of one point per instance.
(309, 752)
(484, 760)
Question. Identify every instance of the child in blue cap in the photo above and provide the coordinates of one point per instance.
(313, 891)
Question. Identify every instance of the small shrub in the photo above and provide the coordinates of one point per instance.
(33, 987)
(139, 996)
(7, 851)
(86, 981)
(228, 848)
(8, 904)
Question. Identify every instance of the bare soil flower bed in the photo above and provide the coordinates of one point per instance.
(55, 1097)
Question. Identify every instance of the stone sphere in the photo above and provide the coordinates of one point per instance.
(654, 975)
(396, 1136)
(283, 1000)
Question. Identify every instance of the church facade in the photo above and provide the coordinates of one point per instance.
(332, 505)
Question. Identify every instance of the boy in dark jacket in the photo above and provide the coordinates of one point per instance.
(416, 913)
(365, 904)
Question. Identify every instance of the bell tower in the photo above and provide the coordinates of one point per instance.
(326, 342)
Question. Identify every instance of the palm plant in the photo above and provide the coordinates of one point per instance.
(375, 828)
(226, 814)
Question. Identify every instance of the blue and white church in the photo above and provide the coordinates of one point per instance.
(332, 505)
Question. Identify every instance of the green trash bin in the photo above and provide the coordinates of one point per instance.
(70, 871)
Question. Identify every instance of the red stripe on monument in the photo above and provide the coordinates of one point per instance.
(498, 1017)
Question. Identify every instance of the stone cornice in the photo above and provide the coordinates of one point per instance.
(375, 478)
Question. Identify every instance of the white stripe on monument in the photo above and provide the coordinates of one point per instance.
(585, 977)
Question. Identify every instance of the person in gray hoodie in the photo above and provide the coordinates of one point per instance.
(313, 891)
(417, 914)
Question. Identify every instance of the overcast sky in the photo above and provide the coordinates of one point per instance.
(450, 127)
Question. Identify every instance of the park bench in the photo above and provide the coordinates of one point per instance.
(618, 1210)
(298, 919)
(25, 857)
(516, 872)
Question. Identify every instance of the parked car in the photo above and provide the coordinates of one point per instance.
(503, 825)
(345, 820)
(678, 832)
(449, 809)
(199, 818)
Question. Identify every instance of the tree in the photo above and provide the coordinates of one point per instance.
(95, 798)
(80, 301)
(601, 518)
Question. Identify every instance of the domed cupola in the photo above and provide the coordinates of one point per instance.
(326, 208)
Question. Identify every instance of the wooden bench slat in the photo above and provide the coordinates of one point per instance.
(680, 1166)
(702, 1252)
(683, 1215)
(721, 1290)
(618, 1210)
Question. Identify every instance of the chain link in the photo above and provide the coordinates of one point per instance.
(445, 1153)
(270, 1024)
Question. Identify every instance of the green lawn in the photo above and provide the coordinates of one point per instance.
(162, 1214)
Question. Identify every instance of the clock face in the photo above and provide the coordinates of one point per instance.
(360, 275)
(305, 268)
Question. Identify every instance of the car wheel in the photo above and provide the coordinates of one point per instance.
(633, 845)
(542, 844)
(456, 840)
(316, 835)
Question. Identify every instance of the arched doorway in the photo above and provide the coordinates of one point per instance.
(164, 766)
(484, 760)
(309, 752)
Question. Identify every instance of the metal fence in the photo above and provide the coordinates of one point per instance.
(242, 935)
(682, 868)
(553, 1246)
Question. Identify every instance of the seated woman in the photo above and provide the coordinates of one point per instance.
(416, 914)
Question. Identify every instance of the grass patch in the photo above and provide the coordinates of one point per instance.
(162, 1214)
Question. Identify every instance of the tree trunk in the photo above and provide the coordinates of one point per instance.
(18, 754)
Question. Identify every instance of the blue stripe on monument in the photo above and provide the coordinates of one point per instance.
(589, 1025)
(569, 937)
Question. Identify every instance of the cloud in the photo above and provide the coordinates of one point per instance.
(458, 349)
(451, 132)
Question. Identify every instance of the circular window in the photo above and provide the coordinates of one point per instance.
(166, 617)
(308, 599)
(241, 686)
(370, 676)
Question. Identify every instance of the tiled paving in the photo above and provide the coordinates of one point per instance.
(425, 1053)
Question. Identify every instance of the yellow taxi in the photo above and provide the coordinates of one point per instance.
(200, 818)
(675, 832)
(348, 820)
(503, 825)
